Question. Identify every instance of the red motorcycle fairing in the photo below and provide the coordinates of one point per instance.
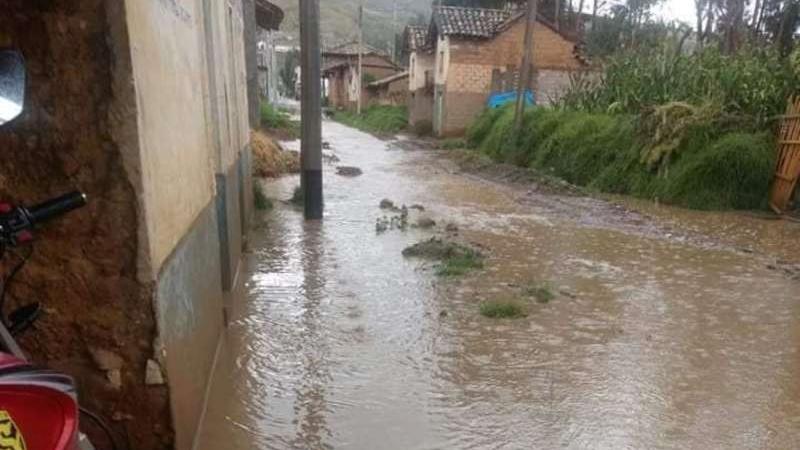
(38, 410)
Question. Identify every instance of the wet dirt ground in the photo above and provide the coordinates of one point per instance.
(670, 329)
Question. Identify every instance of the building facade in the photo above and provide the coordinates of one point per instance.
(471, 48)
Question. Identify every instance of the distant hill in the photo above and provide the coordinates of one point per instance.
(339, 19)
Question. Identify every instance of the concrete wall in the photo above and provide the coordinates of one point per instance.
(169, 75)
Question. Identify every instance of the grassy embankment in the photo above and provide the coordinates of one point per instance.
(379, 120)
(696, 131)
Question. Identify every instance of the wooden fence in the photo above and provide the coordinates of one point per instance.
(787, 168)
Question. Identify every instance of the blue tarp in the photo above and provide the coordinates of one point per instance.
(503, 98)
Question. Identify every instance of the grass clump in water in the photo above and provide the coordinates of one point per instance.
(455, 259)
(381, 119)
(262, 202)
(503, 309)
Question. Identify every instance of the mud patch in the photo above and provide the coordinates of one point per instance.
(349, 171)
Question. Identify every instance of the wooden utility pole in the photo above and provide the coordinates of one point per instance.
(527, 63)
(394, 30)
(360, 55)
(311, 110)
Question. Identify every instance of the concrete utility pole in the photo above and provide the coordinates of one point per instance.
(527, 62)
(360, 55)
(311, 110)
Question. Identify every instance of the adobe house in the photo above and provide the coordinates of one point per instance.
(474, 48)
(340, 69)
(421, 60)
(144, 107)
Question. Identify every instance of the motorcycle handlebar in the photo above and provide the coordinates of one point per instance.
(56, 207)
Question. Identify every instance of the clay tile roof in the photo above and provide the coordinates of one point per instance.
(469, 22)
(416, 37)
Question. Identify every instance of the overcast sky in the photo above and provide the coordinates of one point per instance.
(682, 10)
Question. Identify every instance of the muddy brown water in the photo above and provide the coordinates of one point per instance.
(668, 330)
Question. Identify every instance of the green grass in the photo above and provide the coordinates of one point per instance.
(706, 163)
(459, 265)
(541, 292)
(277, 120)
(376, 119)
(262, 202)
(503, 309)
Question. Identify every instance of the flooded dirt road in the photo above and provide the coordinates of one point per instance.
(669, 329)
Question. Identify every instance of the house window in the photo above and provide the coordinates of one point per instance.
(441, 62)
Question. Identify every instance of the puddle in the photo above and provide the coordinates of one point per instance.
(340, 342)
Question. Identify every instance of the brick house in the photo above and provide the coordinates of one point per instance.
(340, 69)
(472, 51)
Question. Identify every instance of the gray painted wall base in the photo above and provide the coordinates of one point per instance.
(190, 321)
(229, 217)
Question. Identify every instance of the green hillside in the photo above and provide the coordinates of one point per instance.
(339, 19)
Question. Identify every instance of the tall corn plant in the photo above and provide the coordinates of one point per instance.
(753, 83)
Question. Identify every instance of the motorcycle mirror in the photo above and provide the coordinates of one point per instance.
(12, 85)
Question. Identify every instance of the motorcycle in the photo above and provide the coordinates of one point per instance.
(39, 407)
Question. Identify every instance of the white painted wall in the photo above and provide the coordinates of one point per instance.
(442, 61)
(176, 158)
(185, 137)
(419, 63)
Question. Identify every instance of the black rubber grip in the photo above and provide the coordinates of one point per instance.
(56, 207)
